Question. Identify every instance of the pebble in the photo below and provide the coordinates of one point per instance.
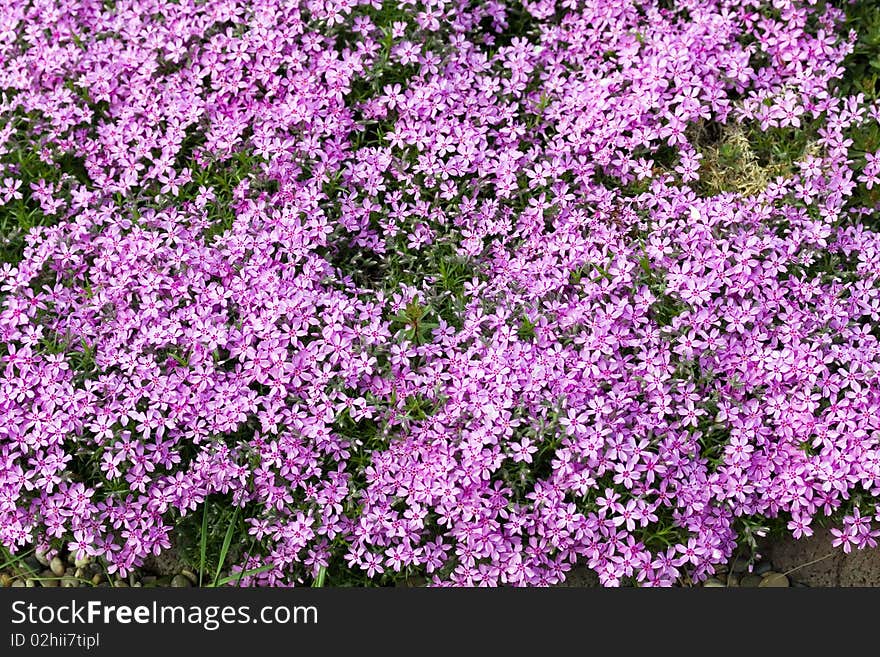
(97, 579)
(120, 584)
(763, 567)
(82, 563)
(5, 580)
(713, 583)
(49, 580)
(69, 582)
(750, 581)
(191, 576)
(79, 572)
(731, 580)
(41, 558)
(179, 581)
(775, 580)
(57, 566)
(30, 583)
(18, 584)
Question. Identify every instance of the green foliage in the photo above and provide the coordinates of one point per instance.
(863, 64)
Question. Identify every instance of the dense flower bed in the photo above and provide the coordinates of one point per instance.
(432, 287)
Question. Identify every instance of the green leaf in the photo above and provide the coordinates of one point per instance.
(246, 573)
(14, 560)
(224, 549)
(203, 542)
(319, 580)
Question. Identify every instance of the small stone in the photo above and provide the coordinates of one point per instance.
(132, 579)
(763, 567)
(740, 565)
(79, 573)
(750, 581)
(713, 583)
(163, 581)
(82, 563)
(180, 582)
(5, 580)
(191, 576)
(69, 582)
(775, 580)
(30, 583)
(18, 584)
(97, 579)
(120, 584)
(41, 558)
(149, 581)
(57, 566)
(731, 580)
(48, 579)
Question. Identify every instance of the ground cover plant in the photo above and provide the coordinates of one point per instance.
(350, 291)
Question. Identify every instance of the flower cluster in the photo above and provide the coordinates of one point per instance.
(432, 286)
